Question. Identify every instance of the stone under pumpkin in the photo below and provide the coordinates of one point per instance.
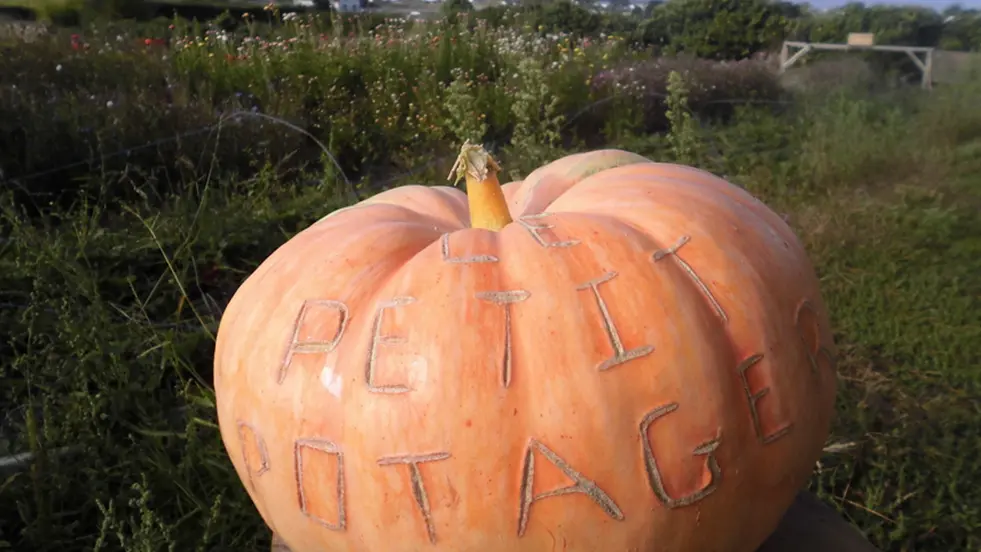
(612, 354)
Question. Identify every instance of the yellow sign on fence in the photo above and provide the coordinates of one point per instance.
(861, 39)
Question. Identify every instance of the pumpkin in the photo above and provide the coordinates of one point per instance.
(612, 354)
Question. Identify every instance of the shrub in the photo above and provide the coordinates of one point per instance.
(714, 88)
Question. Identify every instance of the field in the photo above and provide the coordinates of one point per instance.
(146, 170)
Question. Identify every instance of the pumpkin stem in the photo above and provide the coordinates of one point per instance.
(488, 208)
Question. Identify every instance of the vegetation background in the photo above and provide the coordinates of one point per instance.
(148, 164)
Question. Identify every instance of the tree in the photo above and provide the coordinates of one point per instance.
(904, 25)
(451, 7)
(564, 16)
(718, 29)
(961, 30)
(649, 9)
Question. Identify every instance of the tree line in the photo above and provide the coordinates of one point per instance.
(712, 29)
(734, 29)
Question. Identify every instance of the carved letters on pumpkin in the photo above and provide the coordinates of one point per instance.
(806, 321)
(654, 476)
(449, 258)
(319, 463)
(672, 251)
(754, 399)
(377, 339)
(580, 485)
(254, 452)
(535, 228)
(505, 299)
(418, 487)
(316, 450)
(620, 354)
(318, 329)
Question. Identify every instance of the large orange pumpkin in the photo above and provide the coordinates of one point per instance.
(613, 354)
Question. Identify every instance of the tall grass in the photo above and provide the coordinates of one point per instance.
(381, 100)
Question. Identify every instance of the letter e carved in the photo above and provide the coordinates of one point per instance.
(754, 399)
(377, 339)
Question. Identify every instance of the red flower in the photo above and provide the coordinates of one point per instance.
(210, 274)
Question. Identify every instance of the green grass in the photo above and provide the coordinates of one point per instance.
(112, 287)
(902, 282)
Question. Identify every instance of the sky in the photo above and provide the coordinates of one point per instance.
(936, 4)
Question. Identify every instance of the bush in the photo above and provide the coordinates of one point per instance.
(715, 29)
(715, 88)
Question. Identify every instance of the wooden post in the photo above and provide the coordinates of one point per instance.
(928, 70)
(861, 42)
(788, 62)
(919, 65)
(808, 526)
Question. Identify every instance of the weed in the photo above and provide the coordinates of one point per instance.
(682, 132)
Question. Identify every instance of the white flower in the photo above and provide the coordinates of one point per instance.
(58, 67)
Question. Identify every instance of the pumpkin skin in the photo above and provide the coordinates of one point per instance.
(472, 382)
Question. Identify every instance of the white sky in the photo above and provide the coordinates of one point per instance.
(936, 4)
